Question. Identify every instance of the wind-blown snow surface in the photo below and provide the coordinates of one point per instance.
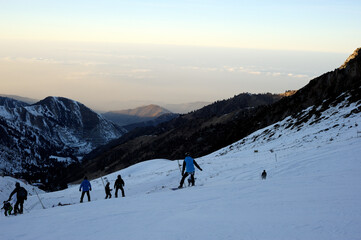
(312, 192)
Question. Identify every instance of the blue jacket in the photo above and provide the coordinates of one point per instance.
(85, 185)
(189, 164)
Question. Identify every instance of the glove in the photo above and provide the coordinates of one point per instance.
(79, 190)
(201, 169)
(90, 189)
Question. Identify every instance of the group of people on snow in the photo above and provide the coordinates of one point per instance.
(21, 196)
(85, 188)
(188, 168)
(118, 185)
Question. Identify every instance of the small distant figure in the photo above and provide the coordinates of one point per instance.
(21, 196)
(188, 167)
(119, 184)
(7, 208)
(108, 190)
(86, 187)
(264, 175)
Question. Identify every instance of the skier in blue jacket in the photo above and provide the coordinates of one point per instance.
(188, 167)
(86, 186)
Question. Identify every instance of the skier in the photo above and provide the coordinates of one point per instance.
(188, 167)
(107, 191)
(119, 184)
(21, 196)
(7, 208)
(264, 175)
(86, 186)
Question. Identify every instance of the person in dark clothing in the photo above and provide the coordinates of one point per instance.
(264, 175)
(7, 208)
(86, 186)
(119, 184)
(188, 167)
(21, 196)
(107, 191)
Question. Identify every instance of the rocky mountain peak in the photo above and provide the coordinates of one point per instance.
(354, 58)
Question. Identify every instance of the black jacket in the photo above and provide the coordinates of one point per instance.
(107, 189)
(119, 183)
(21, 193)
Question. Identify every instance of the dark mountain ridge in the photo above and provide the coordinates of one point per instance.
(151, 123)
(219, 125)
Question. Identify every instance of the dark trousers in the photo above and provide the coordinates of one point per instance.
(108, 194)
(19, 201)
(82, 196)
(184, 177)
(8, 211)
(116, 191)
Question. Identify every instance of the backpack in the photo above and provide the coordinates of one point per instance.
(22, 193)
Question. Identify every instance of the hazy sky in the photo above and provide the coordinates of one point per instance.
(117, 54)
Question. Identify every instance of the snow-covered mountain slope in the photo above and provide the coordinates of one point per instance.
(311, 191)
(56, 126)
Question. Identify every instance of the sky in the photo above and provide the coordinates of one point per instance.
(111, 55)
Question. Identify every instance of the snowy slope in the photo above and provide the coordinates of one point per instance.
(311, 192)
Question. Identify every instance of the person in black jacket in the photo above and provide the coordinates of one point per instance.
(107, 191)
(21, 195)
(119, 184)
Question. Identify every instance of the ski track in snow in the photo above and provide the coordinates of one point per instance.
(311, 192)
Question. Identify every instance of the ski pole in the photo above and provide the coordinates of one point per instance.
(102, 181)
(39, 198)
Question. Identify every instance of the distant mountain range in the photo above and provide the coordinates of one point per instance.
(179, 108)
(136, 115)
(21, 99)
(225, 122)
(151, 111)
